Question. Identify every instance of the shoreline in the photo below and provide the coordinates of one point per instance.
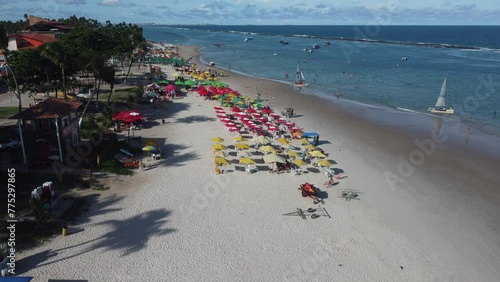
(438, 222)
(446, 170)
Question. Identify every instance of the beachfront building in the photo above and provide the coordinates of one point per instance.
(50, 129)
(45, 26)
(29, 40)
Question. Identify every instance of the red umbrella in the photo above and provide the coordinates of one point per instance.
(267, 111)
(170, 87)
(251, 110)
(235, 109)
(120, 115)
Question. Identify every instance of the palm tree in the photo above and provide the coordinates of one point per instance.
(56, 53)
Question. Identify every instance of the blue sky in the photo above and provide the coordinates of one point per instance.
(323, 12)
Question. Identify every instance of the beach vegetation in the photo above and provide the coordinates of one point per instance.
(6, 112)
(88, 50)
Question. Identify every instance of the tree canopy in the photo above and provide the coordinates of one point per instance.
(88, 48)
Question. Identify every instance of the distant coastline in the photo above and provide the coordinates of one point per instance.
(356, 38)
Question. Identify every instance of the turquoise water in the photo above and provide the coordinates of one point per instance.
(368, 72)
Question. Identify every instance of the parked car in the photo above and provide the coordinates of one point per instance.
(9, 144)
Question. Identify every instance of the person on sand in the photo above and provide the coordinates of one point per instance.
(330, 182)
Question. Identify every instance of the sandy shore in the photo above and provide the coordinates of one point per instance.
(178, 221)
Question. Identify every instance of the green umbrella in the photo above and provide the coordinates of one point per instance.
(190, 83)
(178, 82)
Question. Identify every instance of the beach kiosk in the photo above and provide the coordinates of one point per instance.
(313, 137)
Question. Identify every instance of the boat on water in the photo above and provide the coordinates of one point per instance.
(315, 46)
(307, 50)
(440, 107)
(300, 81)
(283, 42)
(248, 39)
(327, 43)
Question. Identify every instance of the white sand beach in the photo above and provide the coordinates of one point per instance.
(179, 221)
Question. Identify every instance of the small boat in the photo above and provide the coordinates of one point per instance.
(327, 43)
(283, 42)
(315, 46)
(248, 39)
(404, 58)
(440, 107)
(307, 50)
(300, 81)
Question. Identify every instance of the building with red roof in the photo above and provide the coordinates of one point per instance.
(50, 126)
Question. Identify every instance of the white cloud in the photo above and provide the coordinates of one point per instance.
(111, 3)
(72, 2)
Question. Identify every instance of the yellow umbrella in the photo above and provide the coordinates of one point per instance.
(261, 139)
(221, 161)
(299, 162)
(150, 142)
(293, 154)
(267, 149)
(317, 154)
(273, 158)
(217, 139)
(221, 154)
(283, 140)
(297, 133)
(239, 139)
(304, 141)
(242, 146)
(219, 147)
(247, 161)
(310, 147)
(325, 162)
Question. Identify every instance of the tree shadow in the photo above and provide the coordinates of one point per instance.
(194, 119)
(127, 236)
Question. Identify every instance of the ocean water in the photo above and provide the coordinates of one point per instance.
(365, 63)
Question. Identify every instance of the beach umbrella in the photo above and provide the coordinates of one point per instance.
(190, 82)
(325, 162)
(297, 134)
(247, 161)
(283, 141)
(261, 139)
(299, 162)
(310, 147)
(171, 87)
(221, 161)
(178, 82)
(317, 154)
(221, 154)
(267, 111)
(267, 149)
(217, 139)
(235, 109)
(219, 147)
(149, 148)
(273, 158)
(239, 139)
(150, 142)
(304, 141)
(242, 146)
(293, 154)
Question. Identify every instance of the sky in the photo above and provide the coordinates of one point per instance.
(262, 12)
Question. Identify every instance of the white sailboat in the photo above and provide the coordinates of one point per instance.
(300, 81)
(440, 107)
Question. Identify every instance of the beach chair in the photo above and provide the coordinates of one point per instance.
(251, 168)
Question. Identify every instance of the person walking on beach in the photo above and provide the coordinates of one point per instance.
(338, 94)
(229, 68)
(467, 135)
